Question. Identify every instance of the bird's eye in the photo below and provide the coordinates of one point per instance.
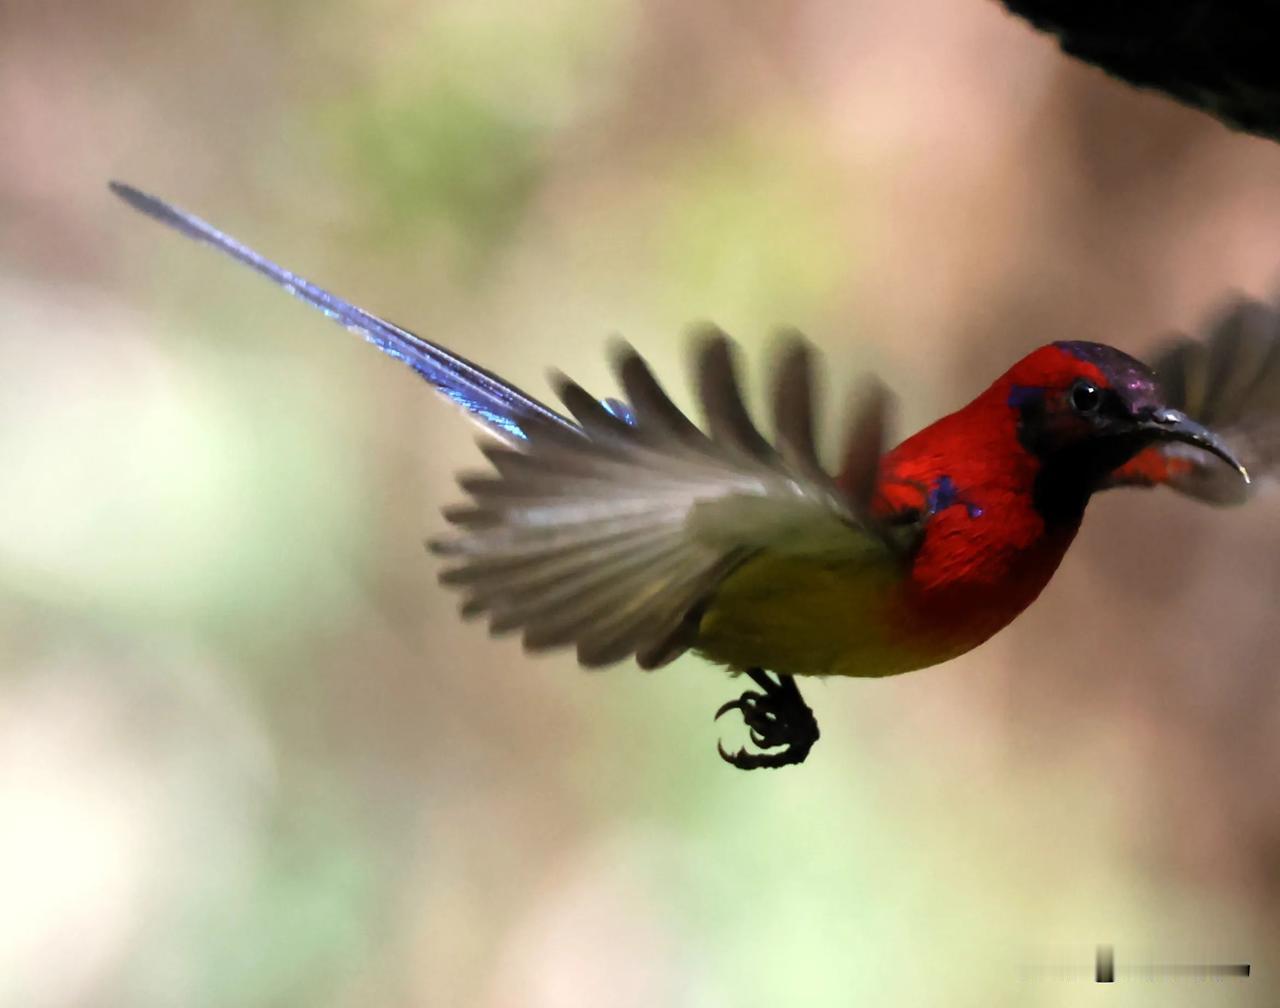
(1085, 397)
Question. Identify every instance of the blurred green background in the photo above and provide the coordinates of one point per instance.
(249, 755)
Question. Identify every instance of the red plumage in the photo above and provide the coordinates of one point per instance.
(624, 529)
(987, 553)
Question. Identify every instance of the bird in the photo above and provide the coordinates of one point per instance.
(622, 528)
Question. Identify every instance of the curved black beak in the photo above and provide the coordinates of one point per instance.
(1174, 425)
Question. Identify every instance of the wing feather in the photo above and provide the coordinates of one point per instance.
(728, 422)
(793, 410)
(657, 417)
(1229, 380)
(609, 530)
(613, 541)
(868, 439)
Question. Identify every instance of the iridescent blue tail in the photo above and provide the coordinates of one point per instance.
(498, 405)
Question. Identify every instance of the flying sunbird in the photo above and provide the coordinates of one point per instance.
(624, 529)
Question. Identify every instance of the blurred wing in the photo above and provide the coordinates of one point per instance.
(614, 541)
(1229, 381)
(497, 405)
(609, 532)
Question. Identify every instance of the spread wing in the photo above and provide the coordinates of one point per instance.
(612, 540)
(1228, 380)
(608, 531)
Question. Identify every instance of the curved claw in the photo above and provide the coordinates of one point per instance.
(744, 760)
(776, 718)
(728, 706)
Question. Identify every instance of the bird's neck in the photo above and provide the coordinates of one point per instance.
(991, 514)
(1060, 494)
(975, 455)
(992, 530)
(1067, 480)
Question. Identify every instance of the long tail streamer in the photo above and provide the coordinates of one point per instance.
(498, 405)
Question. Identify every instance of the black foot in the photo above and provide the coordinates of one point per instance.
(778, 718)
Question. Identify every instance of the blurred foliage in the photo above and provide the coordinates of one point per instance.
(752, 228)
(441, 160)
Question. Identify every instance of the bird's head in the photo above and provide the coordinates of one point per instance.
(1085, 409)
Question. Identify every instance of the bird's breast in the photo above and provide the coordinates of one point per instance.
(979, 563)
(974, 569)
(982, 555)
